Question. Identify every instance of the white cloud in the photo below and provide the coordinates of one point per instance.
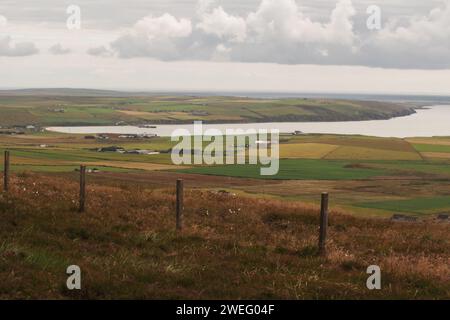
(279, 31)
(221, 53)
(223, 49)
(423, 30)
(323, 52)
(283, 19)
(157, 37)
(340, 28)
(58, 49)
(9, 48)
(165, 26)
(422, 41)
(223, 25)
(3, 21)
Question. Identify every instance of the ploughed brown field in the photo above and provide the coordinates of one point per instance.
(231, 247)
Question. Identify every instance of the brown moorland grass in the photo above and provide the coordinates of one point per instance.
(231, 247)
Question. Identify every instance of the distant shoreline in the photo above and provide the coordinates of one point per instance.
(265, 120)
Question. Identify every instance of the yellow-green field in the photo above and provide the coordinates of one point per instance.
(306, 150)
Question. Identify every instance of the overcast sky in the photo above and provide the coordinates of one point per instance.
(227, 45)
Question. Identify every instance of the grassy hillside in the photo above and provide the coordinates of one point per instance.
(232, 247)
(50, 110)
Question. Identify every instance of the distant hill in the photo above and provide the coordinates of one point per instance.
(81, 107)
(69, 92)
(412, 100)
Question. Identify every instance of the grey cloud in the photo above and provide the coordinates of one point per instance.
(100, 51)
(228, 34)
(58, 49)
(279, 31)
(10, 49)
(276, 31)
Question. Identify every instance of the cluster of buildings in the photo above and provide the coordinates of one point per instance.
(124, 151)
(16, 130)
(122, 136)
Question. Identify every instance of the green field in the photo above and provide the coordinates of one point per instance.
(295, 169)
(415, 206)
(432, 148)
(321, 169)
(417, 167)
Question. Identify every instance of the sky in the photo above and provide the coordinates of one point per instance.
(338, 46)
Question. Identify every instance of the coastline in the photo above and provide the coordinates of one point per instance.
(282, 119)
(427, 122)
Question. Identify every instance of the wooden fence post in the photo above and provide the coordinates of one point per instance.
(179, 204)
(82, 188)
(6, 172)
(323, 223)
